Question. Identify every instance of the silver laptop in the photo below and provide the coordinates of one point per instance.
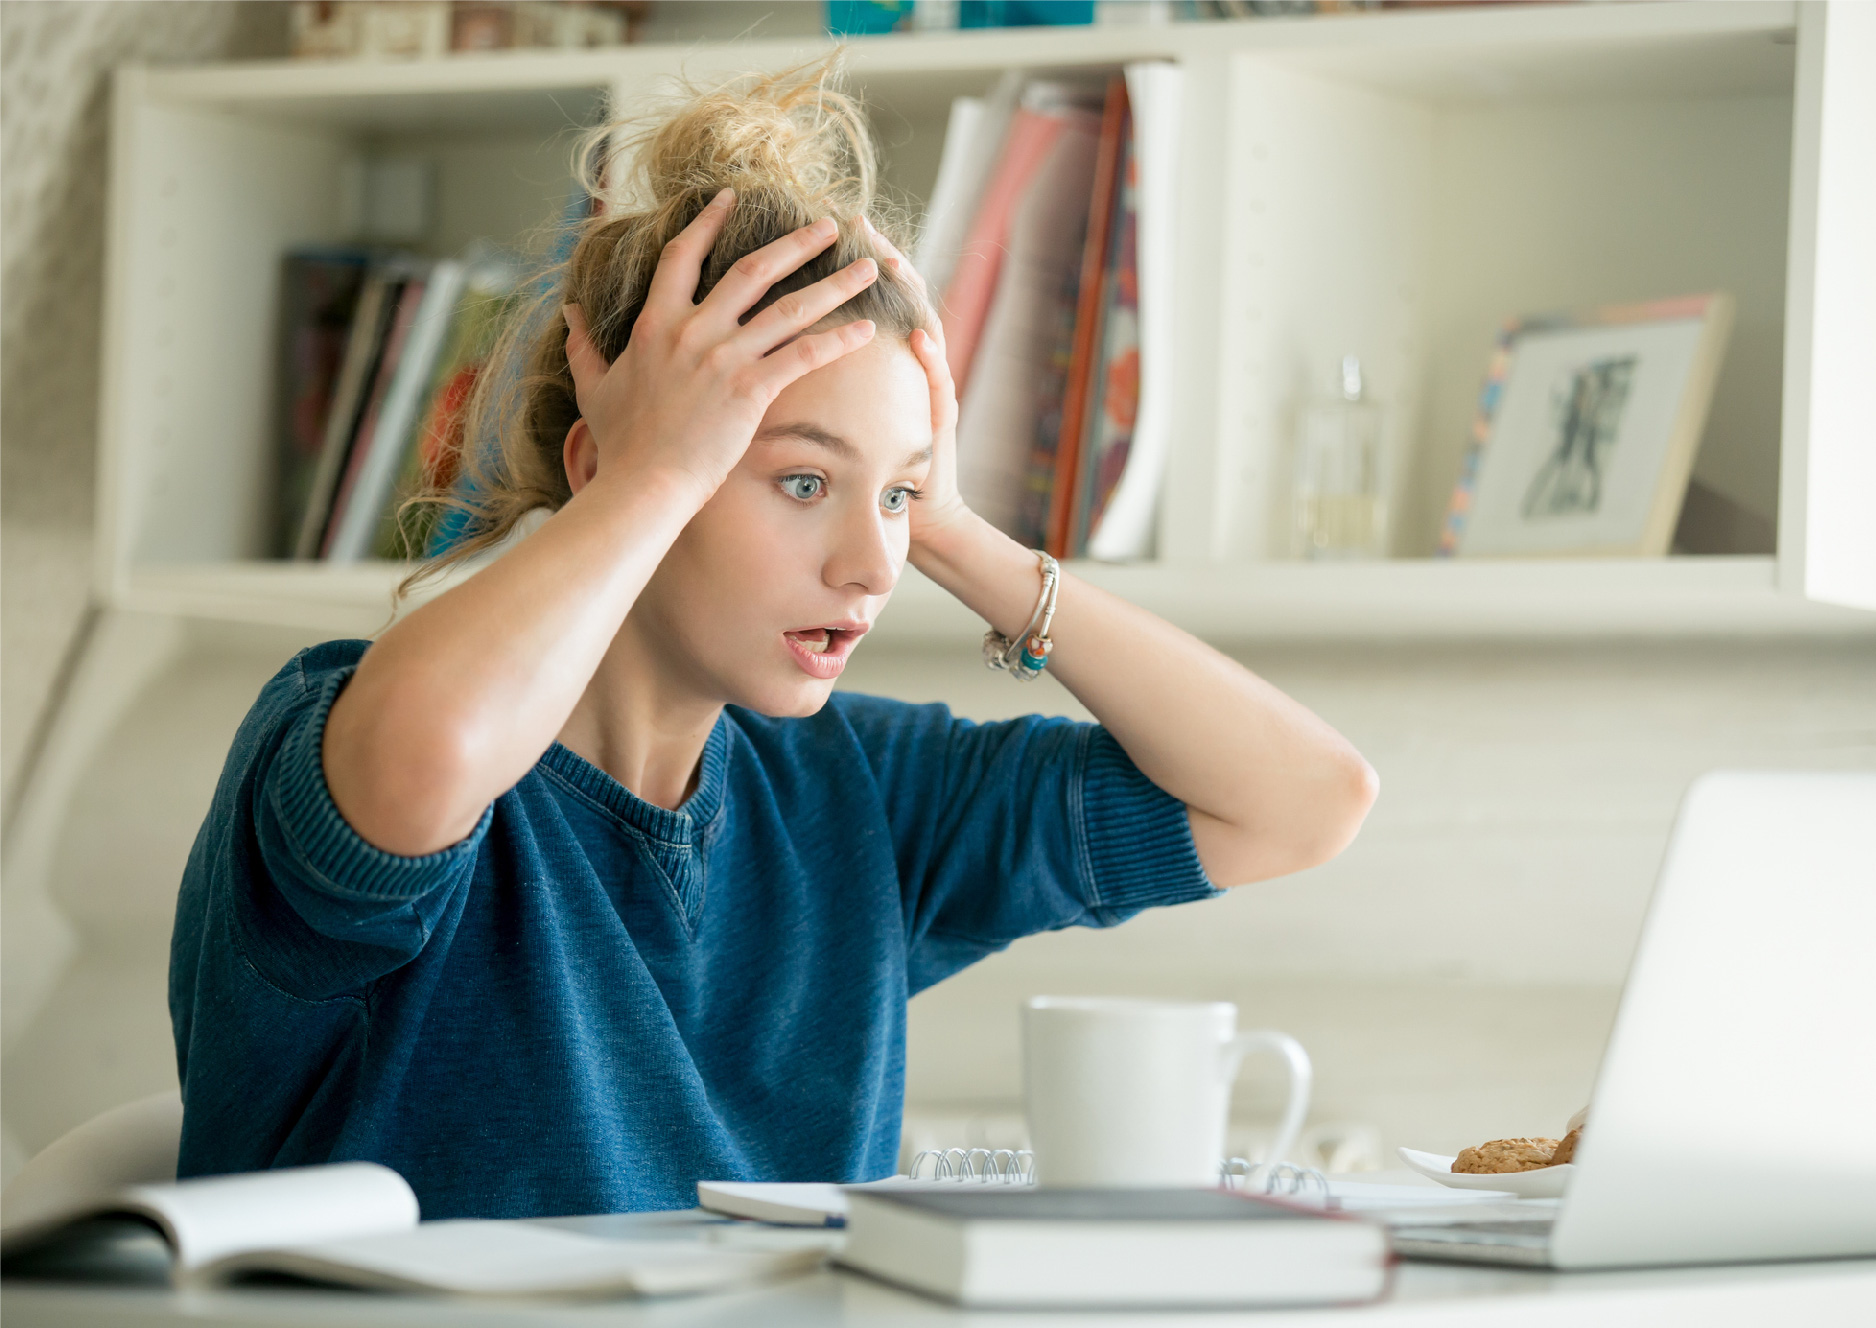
(1734, 1117)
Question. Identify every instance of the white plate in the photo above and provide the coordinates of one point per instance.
(1543, 1183)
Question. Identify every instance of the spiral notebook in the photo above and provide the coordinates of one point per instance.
(824, 1203)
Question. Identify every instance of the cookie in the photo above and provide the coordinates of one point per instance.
(1566, 1150)
(1501, 1155)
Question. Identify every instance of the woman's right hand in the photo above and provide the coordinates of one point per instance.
(691, 387)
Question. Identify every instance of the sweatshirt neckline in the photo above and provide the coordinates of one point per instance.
(680, 826)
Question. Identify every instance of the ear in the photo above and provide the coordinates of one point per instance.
(580, 455)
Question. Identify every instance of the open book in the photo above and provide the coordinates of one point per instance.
(356, 1224)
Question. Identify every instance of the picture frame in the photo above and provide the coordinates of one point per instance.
(1586, 430)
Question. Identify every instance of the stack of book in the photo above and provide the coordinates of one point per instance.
(378, 356)
(1049, 239)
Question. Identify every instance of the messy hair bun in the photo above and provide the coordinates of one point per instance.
(793, 146)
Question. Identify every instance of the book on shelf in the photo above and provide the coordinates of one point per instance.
(973, 143)
(434, 454)
(953, 194)
(1058, 458)
(379, 452)
(980, 262)
(383, 401)
(1111, 388)
(377, 302)
(1034, 296)
(1057, 304)
(1124, 527)
(356, 1224)
(319, 289)
(390, 362)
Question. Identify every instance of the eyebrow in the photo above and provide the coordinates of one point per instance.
(816, 436)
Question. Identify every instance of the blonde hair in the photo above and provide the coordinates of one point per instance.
(793, 146)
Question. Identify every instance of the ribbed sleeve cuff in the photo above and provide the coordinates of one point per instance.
(336, 859)
(1138, 838)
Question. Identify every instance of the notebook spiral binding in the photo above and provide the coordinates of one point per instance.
(1017, 1166)
(986, 1166)
(1279, 1178)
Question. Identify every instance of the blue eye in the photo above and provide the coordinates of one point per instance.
(897, 500)
(803, 488)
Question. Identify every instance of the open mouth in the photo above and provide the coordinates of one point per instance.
(822, 651)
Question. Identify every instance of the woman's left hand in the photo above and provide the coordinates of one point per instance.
(940, 508)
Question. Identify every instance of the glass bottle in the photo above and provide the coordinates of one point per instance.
(1339, 495)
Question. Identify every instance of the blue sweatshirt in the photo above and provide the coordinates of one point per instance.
(590, 1003)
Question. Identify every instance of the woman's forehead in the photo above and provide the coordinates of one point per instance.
(873, 404)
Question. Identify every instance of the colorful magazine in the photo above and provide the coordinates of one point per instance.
(1114, 386)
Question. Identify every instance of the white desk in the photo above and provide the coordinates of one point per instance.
(1815, 1295)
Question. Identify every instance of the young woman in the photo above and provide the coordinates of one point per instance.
(580, 884)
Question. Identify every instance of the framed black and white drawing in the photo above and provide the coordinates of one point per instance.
(1586, 431)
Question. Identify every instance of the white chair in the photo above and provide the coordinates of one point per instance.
(129, 1145)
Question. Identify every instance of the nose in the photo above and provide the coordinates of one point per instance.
(867, 551)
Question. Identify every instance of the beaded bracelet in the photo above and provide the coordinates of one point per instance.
(1028, 655)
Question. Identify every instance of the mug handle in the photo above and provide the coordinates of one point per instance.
(1301, 1076)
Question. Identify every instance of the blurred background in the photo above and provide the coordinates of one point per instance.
(1453, 974)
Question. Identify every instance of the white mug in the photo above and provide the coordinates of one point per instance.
(1137, 1093)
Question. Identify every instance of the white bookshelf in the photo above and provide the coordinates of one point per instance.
(1391, 184)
